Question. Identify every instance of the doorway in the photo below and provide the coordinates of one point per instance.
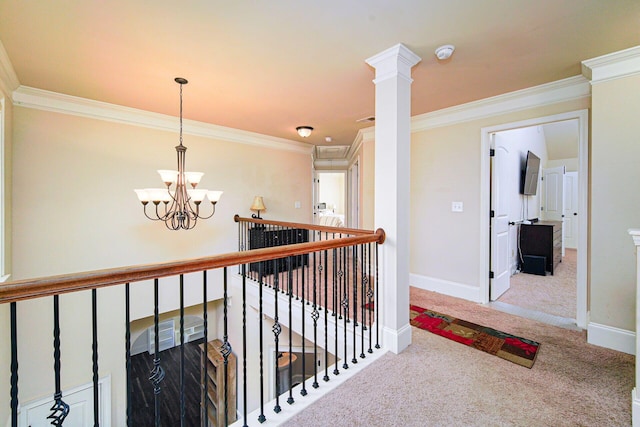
(501, 244)
(330, 205)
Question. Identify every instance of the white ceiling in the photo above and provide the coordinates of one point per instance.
(269, 66)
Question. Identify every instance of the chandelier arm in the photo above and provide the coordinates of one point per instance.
(212, 212)
(147, 215)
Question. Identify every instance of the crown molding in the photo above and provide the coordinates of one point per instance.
(612, 66)
(569, 89)
(8, 78)
(29, 97)
(363, 135)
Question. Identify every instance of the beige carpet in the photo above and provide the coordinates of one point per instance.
(438, 382)
(554, 295)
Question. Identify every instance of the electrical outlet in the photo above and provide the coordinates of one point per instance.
(457, 207)
(297, 205)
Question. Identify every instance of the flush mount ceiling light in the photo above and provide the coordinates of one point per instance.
(181, 205)
(445, 52)
(304, 131)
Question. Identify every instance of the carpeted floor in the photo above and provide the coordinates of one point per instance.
(438, 382)
(554, 295)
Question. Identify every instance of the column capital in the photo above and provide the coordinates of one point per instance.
(395, 61)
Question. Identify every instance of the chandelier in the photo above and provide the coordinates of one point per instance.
(178, 206)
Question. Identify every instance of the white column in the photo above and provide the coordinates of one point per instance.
(635, 399)
(392, 192)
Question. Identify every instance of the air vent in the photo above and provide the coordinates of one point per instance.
(366, 119)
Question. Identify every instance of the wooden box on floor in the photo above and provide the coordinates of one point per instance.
(214, 397)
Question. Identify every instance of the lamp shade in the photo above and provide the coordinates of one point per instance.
(258, 204)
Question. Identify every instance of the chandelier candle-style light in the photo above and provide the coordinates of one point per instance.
(181, 208)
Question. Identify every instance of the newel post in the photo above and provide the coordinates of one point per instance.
(635, 399)
(392, 187)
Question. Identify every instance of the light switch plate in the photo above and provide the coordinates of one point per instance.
(457, 207)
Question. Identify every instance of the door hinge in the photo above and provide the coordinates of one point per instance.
(492, 152)
(492, 213)
(491, 275)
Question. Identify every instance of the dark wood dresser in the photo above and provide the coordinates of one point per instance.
(543, 238)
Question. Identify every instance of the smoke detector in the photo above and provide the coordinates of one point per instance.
(445, 51)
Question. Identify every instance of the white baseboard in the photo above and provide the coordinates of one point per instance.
(453, 289)
(635, 409)
(610, 337)
(396, 341)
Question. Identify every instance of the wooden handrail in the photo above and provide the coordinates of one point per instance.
(54, 285)
(336, 230)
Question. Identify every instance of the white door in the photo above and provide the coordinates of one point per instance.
(570, 225)
(500, 177)
(553, 195)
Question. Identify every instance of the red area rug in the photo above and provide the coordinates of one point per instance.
(506, 346)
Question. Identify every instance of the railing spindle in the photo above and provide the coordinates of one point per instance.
(226, 349)
(204, 384)
(345, 305)
(290, 261)
(60, 409)
(244, 343)
(94, 321)
(303, 390)
(315, 315)
(127, 345)
(157, 373)
(326, 320)
(335, 308)
(376, 304)
(14, 364)
(182, 361)
(355, 301)
(261, 417)
(277, 329)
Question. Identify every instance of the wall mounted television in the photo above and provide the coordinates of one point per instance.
(529, 181)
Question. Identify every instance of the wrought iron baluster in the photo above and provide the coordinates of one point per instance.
(363, 275)
(336, 308)
(290, 262)
(371, 305)
(277, 329)
(355, 301)
(94, 348)
(182, 361)
(244, 343)
(376, 303)
(204, 415)
(127, 344)
(303, 390)
(315, 316)
(261, 417)
(345, 304)
(226, 348)
(157, 373)
(60, 409)
(14, 364)
(326, 319)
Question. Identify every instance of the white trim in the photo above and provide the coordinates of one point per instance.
(610, 337)
(29, 97)
(612, 66)
(635, 408)
(583, 175)
(3, 223)
(564, 90)
(8, 78)
(452, 289)
(396, 341)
